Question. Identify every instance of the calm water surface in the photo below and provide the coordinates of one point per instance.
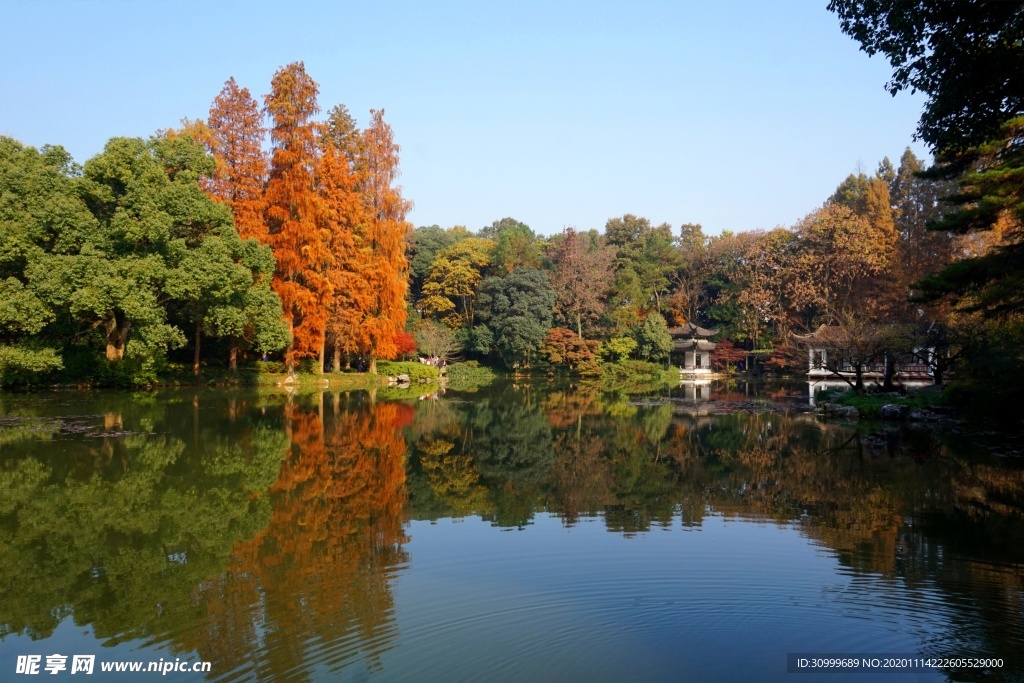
(517, 533)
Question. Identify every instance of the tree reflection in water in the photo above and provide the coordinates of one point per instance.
(320, 572)
(265, 533)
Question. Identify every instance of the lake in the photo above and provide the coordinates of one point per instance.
(522, 532)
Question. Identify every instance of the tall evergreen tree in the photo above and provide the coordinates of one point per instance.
(916, 203)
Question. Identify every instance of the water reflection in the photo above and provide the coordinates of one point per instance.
(269, 534)
(123, 513)
(319, 572)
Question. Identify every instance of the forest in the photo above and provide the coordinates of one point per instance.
(272, 234)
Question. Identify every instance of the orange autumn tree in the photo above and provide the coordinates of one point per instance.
(385, 235)
(301, 245)
(235, 139)
(340, 177)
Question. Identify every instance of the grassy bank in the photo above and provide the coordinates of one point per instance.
(636, 377)
(868, 405)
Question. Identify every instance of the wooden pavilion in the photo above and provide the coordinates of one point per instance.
(693, 344)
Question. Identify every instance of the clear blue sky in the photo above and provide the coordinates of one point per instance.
(736, 115)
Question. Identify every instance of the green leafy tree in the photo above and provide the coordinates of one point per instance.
(516, 246)
(653, 341)
(618, 349)
(650, 253)
(223, 287)
(40, 212)
(147, 249)
(494, 230)
(966, 57)
(517, 309)
(150, 212)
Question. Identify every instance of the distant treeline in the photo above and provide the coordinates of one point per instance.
(200, 241)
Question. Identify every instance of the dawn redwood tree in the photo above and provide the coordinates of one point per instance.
(582, 279)
(301, 247)
(387, 270)
(235, 138)
(341, 132)
(344, 221)
(233, 134)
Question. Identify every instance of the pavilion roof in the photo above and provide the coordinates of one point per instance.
(691, 330)
(693, 345)
(836, 334)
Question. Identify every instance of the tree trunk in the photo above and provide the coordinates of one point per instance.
(337, 358)
(323, 355)
(373, 364)
(195, 356)
(579, 325)
(117, 336)
(289, 353)
(890, 372)
(233, 355)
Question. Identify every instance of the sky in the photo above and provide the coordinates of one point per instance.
(736, 115)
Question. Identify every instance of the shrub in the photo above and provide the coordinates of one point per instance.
(270, 367)
(618, 348)
(26, 365)
(564, 347)
(416, 371)
(637, 376)
(468, 376)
